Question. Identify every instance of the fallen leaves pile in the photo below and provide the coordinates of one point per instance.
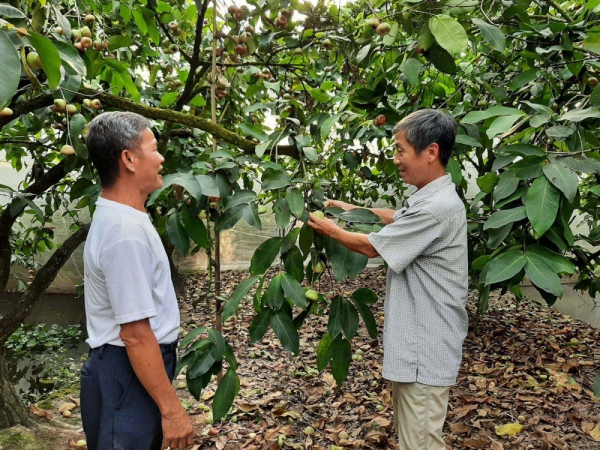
(525, 383)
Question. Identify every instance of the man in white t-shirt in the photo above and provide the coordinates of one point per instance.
(127, 396)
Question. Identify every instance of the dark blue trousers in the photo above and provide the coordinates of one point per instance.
(116, 410)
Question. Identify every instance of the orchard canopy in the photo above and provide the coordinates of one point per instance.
(280, 104)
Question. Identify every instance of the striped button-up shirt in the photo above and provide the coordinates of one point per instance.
(426, 320)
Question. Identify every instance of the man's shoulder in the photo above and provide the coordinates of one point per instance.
(445, 204)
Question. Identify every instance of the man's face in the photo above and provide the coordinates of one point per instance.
(148, 162)
(412, 167)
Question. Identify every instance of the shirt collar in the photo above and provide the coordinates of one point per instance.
(429, 189)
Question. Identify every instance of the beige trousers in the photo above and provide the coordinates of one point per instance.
(419, 415)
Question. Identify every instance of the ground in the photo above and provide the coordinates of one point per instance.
(524, 365)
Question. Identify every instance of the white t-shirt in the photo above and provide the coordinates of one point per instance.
(127, 276)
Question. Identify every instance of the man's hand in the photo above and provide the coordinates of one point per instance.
(178, 432)
(338, 204)
(325, 227)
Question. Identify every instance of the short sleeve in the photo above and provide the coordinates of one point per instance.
(128, 267)
(402, 241)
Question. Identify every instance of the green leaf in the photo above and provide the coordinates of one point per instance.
(254, 131)
(345, 263)
(282, 212)
(494, 111)
(453, 168)
(286, 331)
(487, 182)
(334, 325)
(465, 139)
(11, 12)
(411, 68)
(528, 168)
(250, 215)
(363, 53)
(238, 294)
(595, 96)
(507, 184)
(390, 38)
(243, 197)
(578, 114)
(559, 264)
(327, 124)
(260, 325)
(559, 132)
(195, 228)
(367, 316)
(522, 150)
(441, 59)
(289, 240)
(503, 267)
(541, 274)
(264, 255)
(365, 295)
(448, 33)
(230, 217)
(542, 205)
(185, 180)
(49, 56)
(293, 291)
(497, 235)
(296, 202)
(349, 319)
(225, 395)
(218, 341)
(501, 218)
(319, 95)
(592, 43)
(275, 295)
(193, 334)
(177, 234)
(563, 178)
(595, 190)
(360, 215)
(11, 69)
(523, 79)
(293, 263)
(168, 99)
(501, 125)
(201, 364)
(324, 352)
(492, 34)
(275, 179)
(342, 357)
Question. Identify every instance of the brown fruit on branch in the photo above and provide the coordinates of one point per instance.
(96, 104)
(373, 22)
(380, 120)
(79, 47)
(89, 18)
(231, 10)
(592, 81)
(86, 42)
(173, 25)
(60, 105)
(67, 150)
(250, 29)
(239, 15)
(71, 109)
(6, 112)
(383, 28)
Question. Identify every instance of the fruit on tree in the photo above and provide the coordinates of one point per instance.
(380, 120)
(58, 30)
(76, 34)
(96, 104)
(555, 106)
(383, 28)
(202, 215)
(373, 22)
(319, 267)
(312, 295)
(89, 18)
(262, 209)
(71, 109)
(67, 150)
(60, 105)
(6, 112)
(327, 44)
(592, 81)
(33, 60)
(319, 214)
(86, 32)
(173, 25)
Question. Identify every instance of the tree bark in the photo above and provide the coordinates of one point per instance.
(12, 411)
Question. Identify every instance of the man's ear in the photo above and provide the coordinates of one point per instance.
(433, 152)
(127, 160)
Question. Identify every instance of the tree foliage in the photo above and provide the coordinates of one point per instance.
(305, 96)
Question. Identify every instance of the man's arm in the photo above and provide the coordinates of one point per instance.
(386, 215)
(357, 242)
(147, 362)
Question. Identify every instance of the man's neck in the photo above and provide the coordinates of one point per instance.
(440, 172)
(121, 193)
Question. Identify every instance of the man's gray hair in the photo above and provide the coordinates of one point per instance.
(429, 126)
(107, 136)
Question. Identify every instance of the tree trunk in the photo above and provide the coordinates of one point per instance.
(12, 411)
(176, 277)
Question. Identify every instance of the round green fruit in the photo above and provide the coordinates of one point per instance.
(319, 267)
(6, 112)
(33, 60)
(202, 215)
(67, 150)
(262, 209)
(309, 431)
(319, 214)
(312, 295)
